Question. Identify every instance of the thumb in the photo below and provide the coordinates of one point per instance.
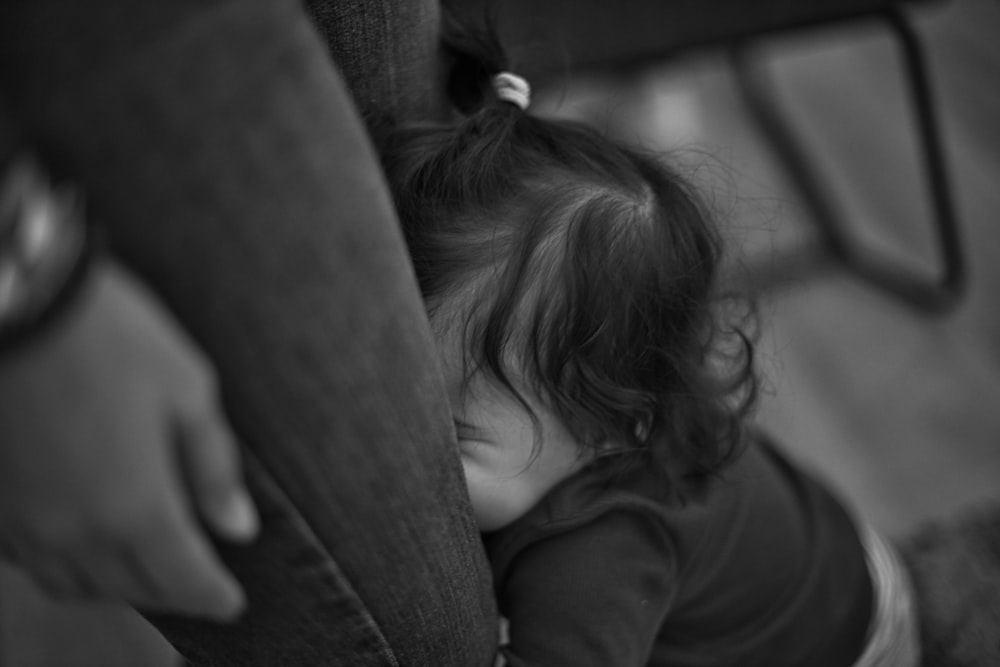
(210, 463)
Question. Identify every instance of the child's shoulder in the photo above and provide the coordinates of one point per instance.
(582, 502)
(759, 483)
(585, 506)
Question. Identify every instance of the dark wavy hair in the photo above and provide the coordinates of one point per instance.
(579, 269)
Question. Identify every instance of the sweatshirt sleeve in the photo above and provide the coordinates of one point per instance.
(596, 595)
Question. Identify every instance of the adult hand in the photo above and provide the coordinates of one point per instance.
(112, 447)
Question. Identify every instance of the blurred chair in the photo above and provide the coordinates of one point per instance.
(586, 35)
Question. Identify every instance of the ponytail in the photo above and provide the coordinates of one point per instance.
(476, 57)
(615, 340)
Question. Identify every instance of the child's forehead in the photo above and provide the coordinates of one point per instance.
(475, 346)
(464, 375)
(454, 351)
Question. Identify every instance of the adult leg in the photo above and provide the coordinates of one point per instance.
(217, 141)
(388, 53)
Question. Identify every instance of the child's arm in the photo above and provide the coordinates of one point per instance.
(596, 595)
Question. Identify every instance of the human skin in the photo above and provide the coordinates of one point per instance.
(510, 461)
(113, 450)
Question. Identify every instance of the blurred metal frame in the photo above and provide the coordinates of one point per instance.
(927, 293)
(585, 35)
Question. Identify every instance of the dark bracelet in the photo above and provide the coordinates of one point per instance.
(47, 247)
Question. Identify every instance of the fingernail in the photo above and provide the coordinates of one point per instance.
(229, 607)
(240, 517)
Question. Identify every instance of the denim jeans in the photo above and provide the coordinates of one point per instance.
(220, 151)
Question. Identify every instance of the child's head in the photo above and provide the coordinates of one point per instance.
(575, 276)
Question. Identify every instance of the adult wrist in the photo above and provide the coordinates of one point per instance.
(46, 248)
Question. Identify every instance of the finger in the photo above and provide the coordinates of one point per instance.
(59, 578)
(84, 585)
(26, 551)
(184, 574)
(109, 571)
(9, 551)
(209, 461)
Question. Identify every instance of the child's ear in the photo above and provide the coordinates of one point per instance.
(607, 447)
(642, 428)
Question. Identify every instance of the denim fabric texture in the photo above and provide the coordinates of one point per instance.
(330, 622)
(219, 148)
(388, 53)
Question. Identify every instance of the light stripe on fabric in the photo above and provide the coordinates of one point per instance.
(894, 637)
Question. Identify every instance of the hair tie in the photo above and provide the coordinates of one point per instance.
(512, 88)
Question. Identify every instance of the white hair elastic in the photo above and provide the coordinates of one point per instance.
(512, 88)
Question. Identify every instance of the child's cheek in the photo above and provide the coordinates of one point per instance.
(496, 500)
